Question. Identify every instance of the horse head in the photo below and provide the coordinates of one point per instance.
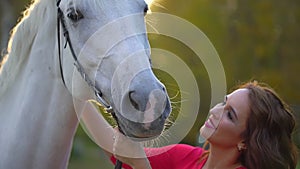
(110, 40)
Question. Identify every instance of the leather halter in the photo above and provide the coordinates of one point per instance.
(80, 69)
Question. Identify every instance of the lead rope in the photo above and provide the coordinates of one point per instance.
(98, 93)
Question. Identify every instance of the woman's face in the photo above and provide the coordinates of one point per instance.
(227, 120)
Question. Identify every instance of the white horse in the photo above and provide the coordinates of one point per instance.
(38, 119)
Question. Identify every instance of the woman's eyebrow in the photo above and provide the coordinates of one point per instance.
(232, 109)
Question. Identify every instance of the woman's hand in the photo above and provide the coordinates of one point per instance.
(130, 152)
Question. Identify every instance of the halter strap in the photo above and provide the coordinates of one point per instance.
(59, 13)
(80, 69)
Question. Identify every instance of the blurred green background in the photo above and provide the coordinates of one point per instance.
(257, 39)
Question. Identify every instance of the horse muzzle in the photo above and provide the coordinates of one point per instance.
(144, 108)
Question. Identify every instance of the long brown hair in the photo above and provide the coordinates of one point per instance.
(268, 135)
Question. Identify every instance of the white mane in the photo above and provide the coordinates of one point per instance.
(40, 12)
(22, 37)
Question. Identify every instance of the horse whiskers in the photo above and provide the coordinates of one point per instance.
(157, 142)
(173, 87)
(148, 22)
(176, 95)
(180, 101)
(168, 124)
(157, 4)
(176, 104)
(176, 108)
(151, 143)
(170, 85)
(169, 121)
(163, 139)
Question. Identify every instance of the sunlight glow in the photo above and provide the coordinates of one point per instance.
(149, 1)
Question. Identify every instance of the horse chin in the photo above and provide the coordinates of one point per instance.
(141, 131)
(141, 139)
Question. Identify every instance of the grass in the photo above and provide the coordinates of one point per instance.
(91, 158)
(86, 154)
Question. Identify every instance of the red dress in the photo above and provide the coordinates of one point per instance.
(179, 156)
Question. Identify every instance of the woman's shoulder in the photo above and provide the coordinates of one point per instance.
(175, 149)
(177, 156)
(187, 148)
(183, 149)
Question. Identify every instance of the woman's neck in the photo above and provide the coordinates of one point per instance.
(222, 158)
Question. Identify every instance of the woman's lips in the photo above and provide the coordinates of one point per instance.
(209, 124)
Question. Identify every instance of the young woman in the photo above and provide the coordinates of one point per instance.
(251, 129)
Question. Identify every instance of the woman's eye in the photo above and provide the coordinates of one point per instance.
(229, 115)
(75, 15)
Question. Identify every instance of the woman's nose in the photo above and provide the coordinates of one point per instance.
(217, 110)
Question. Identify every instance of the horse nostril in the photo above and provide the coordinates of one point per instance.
(133, 102)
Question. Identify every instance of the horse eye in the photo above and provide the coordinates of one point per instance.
(75, 15)
(146, 9)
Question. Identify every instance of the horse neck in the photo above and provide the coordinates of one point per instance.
(38, 121)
